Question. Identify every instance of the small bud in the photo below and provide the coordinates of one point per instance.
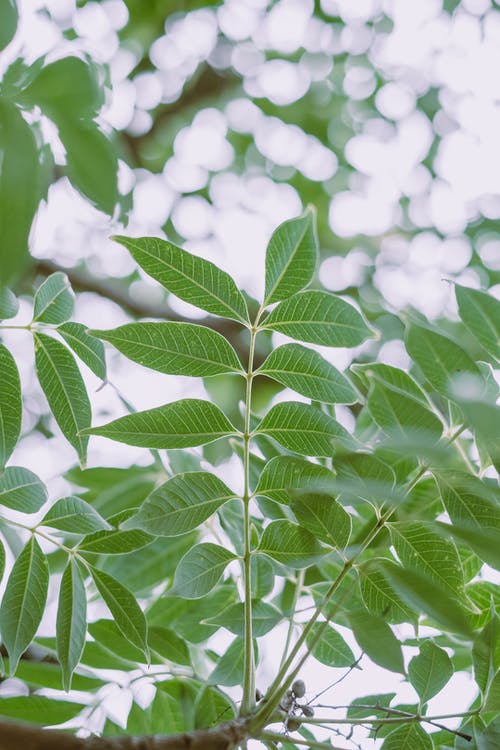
(307, 711)
(299, 688)
(293, 724)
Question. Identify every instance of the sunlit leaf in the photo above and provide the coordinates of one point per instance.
(74, 515)
(290, 545)
(86, 347)
(306, 372)
(180, 424)
(201, 569)
(71, 623)
(322, 516)
(331, 649)
(430, 670)
(10, 405)
(54, 300)
(481, 314)
(23, 602)
(287, 472)
(319, 318)
(64, 389)
(376, 639)
(189, 277)
(291, 257)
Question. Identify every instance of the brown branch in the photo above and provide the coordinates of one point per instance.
(227, 736)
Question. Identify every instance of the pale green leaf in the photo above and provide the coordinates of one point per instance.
(127, 614)
(174, 348)
(331, 649)
(201, 569)
(110, 640)
(22, 490)
(212, 707)
(290, 545)
(481, 314)
(49, 675)
(229, 669)
(115, 541)
(306, 372)
(64, 389)
(322, 516)
(364, 476)
(8, 21)
(291, 257)
(181, 504)
(439, 357)
(379, 596)
(376, 639)
(319, 318)
(180, 424)
(402, 418)
(408, 737)
(2, 560)
(9, 304)
(284, 473)
(304, 429)
(486, 653)
(37, 709)
(71, 622)
(192, 279)
(166, 644)
(491, 707)
(484, 419)
(54, 300)
(430, 670)
(10, 405)
(74, 515)
(483, 541)
(86, 347)
(264, 618)
(392, 377)
(23, 602)
(421, 548)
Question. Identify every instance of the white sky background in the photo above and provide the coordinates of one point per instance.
(459, 55)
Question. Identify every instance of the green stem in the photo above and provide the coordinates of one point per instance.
(296, 596)
(276, 737)
(248, 699)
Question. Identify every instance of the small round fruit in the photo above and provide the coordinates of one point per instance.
(307, 711)
(299, 688)
(293, 724)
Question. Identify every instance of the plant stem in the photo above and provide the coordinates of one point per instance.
(276, 737)
(296, 596)
(248, 699)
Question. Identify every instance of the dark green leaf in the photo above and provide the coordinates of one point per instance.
(486, 653)
(306, 372)
(401, 417)
(380, 597)
(408, 737)
(290, 545)
(68, 84)
(168, 645)
(324, 517)
(229, 669)
(10, 405)
(484, 541)
(180, 424)
(54, 300)
(39, 710)
(481, 314)
(71, 624)
(9, 304)
(46, 675)
(181, 504)
(64, 389)
(291, 257)
(491, 707)
(74, 515)
(189, 277)
(330, 649)
(377, 640)
(212, 707)
(22, 490)
(319, 318)
(89, 349)
(364, 476)
(201, 569)
(23, 602)
(2, 560)
(304, 429)
(124, 608)
(174, 348)
(430, 670)
(264, 618)
(287, 472)
(115, 542)
(111, 641)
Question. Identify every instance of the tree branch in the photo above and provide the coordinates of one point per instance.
(226, 736)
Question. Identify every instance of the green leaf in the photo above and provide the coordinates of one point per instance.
(89, 349)
(19, 189)
(319, 318)
(484, 541)
(64, 389)
(111, 641)
(43, 674)
(430, 670)
(264, 618)
(201, 569)
(379, 596)
(10, 405)
(74, 515)
(291, 257)
(181, 504)
(212, 707)
(426, 551)
(440, 358)
(331, 649)
(174, 348)
(290, 545)
(408, 737)
(54, 300)
(168, 645)
(324, 517)
(180, 424)
(486, 653)
(71, 623)
(9, 304)
(480, 312)
(23, 602)
(115, 541)
(229, 669)
(421, 594)
(22, 490)
(192, 279)
(70, 84)
(127, 614)
(484, 419)
(402, 418)
(37, 709)
(283, 473)
(364, 476)
(376, 639)
(8, 21)
(306, 372)
(392, 377)
(304, 429)
(2, 560)
(491, 707)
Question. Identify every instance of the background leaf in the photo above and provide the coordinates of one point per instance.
(290, 545)
(402, 417)
(481, 314)
(283, 473)
(8, 21)
(324, 517)
(408, 736)
(9, 304)
(377, 640)
(10, 405)
(430, 670)
(54, 300)
(71, 623)
(39, 710)
(201, 569)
